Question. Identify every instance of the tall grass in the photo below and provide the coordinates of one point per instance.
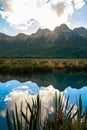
(23, 122)
(63, 118)
(66, 117)
(38, 66)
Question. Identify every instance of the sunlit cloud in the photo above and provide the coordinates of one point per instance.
(62, 7)
(79, 3)
(46, 94)
(41, 3)
(19, 96)
(6, 5)
(24, 91)
(3, 113)
(30, 15)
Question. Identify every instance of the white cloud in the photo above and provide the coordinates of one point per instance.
(41, 3)
(29, 15)
(59, 7)
(6, 4)
(3, 113)
(79, 3)
(63, 6)
(47, 101)
(18, 96)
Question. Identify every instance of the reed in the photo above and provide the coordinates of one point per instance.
(63, 118)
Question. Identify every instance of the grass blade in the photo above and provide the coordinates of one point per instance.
(8, 120)
(24, 116)
(14, 121)
(67, 102)
(17, 119)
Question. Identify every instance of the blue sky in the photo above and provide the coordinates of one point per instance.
(27, 16)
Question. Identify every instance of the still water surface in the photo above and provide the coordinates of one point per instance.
(58, 80)
(9, 85)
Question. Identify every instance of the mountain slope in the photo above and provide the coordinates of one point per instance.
(81, 31)
(60, 43)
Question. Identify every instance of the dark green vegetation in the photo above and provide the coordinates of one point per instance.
(60, 43)
(63, 118)
(38, 66)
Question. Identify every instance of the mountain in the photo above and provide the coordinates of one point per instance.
(60, 43)
(61, 29)
(4, 37)
(81, 31)
(20, 36)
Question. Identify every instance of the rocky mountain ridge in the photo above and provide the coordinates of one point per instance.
(60, 43)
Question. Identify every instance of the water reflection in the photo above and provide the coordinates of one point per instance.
(58, 80)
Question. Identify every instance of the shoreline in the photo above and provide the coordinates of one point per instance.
(41, 66)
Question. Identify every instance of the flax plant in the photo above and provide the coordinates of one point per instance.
(65, 117)
(16, 122)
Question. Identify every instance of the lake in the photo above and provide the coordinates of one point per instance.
(17, 88)
(58, 80)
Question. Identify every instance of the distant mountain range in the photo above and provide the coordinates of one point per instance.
(60, 43)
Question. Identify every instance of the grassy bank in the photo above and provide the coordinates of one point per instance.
(36, 66)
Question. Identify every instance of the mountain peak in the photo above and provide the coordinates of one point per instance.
(21, 36)
(5, 37)
(43, 31)
(62, 28)
(81, 31)
(60, 43)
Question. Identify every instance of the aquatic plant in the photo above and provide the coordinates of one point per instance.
(64, 117)
(23, 122)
